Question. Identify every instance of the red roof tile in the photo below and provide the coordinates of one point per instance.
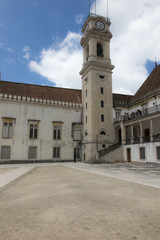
(43, 92)
(150, 85)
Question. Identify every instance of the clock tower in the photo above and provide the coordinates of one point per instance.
(96, 75)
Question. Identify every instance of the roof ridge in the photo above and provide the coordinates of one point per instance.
(30, 84)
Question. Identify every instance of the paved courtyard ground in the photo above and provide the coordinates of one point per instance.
(79, 201)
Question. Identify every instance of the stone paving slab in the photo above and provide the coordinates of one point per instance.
(13, 174)
(135, 174)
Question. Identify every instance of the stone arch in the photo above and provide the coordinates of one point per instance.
(99, 50)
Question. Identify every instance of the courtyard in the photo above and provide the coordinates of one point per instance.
(79, 201)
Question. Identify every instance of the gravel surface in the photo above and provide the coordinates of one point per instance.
(5, 170)
(60, 203)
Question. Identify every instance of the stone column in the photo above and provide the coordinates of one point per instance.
(132, 136)
(151, 130)
(141, 133)
(123, 134)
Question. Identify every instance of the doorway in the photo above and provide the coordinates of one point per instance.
(77, 154)
(128, 155)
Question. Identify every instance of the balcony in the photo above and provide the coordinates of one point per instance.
(138, 114)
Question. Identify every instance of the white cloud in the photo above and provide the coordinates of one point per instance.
(27, 52)
(79, 18)
(136, 31)
(61, 63)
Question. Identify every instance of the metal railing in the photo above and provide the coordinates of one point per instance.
(138, 114)
(109, 149)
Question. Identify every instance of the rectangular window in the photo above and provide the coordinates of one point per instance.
(86, 93)
(158, 153)
(32, 152)
(76, 133)
(5, 152)
(86, 105)
(142, 153)
(7, 130)
(101, 90)
(57, 133)
(56, 152)
(102, 104)
(102, 118)
(86, 119)
(33, 131)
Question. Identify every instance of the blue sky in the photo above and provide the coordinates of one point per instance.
(27, 27)
(39, 41)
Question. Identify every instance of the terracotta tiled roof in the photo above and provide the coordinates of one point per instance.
(43, 92)
(150, 86)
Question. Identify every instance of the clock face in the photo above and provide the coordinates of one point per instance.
(100, 25)
(86, 28)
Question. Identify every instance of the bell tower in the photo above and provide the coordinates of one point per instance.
(96, 75)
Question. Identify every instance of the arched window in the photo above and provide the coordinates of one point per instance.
(87, 52)
(99, 50)
(102, 133)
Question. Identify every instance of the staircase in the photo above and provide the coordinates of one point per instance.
(111, 154)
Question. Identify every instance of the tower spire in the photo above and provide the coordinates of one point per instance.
(107, 10)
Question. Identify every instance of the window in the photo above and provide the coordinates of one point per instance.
(57, 133)
(57, 130)
(87, 52)
(86, 119)
(5, 152)
(103, 146)
(56, 152)
(102, 104)
(101, 90)
(142, 153)
(99, 50)
(101, 76)
(158, 153)
(86, 92)
(77, 133)
(33, 132)
(7, 130)
(102, 118)
(32, 153)
(86, 105)
(102, 133)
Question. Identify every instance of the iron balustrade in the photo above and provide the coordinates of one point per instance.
(138, 114)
